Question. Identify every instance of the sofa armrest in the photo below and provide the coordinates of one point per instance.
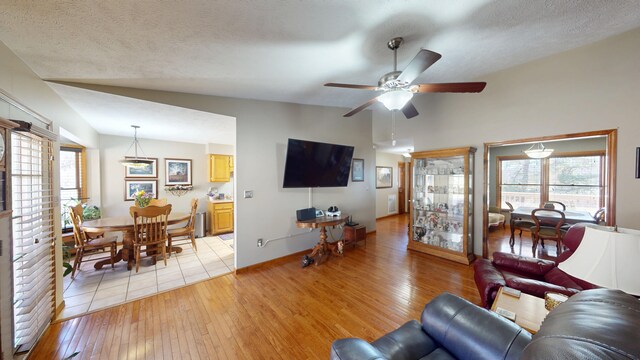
(460, 326)
(523, 264)
(488, 280)
(406, 342)
(354, 349)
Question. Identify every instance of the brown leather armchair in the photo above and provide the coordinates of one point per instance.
(530, 275)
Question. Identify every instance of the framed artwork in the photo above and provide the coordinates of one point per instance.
(178, 172)
(421, 221)
(357, 172)
(384, 178)
(133, 186)
(148, 171)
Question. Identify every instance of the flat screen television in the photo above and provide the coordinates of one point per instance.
(315, 164)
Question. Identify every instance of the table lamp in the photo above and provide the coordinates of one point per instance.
(608, 258)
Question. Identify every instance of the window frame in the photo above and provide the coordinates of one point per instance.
(544, 168)
(81, 177)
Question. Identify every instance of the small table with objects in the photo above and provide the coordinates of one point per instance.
(323, 248)
(528, 309)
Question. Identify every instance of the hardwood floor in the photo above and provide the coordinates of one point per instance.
(279, 311)
(499, 241)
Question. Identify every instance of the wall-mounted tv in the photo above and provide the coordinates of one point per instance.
(315, 164)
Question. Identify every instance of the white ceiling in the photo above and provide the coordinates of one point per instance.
(284, 50)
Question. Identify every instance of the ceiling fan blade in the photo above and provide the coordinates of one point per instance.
(418, 65)
(466, 87)
(409, 110)
(361, 107)
(352, 86)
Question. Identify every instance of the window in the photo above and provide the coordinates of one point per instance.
(520, 182)
(575, 179)
(72, 181)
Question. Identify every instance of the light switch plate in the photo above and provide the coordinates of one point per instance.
(248, 194)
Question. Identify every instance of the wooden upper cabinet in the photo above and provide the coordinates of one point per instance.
(220, 167)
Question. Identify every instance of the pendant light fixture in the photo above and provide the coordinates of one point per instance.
(538, 151)
(136, 162)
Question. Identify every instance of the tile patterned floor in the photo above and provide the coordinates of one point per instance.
(98, 289)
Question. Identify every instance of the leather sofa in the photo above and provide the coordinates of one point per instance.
(594, 324)
(530, 275)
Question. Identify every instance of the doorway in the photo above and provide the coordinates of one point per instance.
(402, 199)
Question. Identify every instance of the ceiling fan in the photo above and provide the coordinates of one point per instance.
(397, 87)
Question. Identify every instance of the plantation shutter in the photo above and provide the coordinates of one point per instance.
(33, 237)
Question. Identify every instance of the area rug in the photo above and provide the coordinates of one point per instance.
(226, 236)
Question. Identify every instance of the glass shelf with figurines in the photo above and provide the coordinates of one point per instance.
(442, 193)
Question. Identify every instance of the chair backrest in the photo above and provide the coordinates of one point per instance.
(554, 205)
(76, 211)
(509, 205)
(158, 202)
(556, 223)
(599, 216)
(192, 216)
(79, 236)
(150, 224)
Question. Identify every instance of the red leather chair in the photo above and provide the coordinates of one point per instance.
(529, 275)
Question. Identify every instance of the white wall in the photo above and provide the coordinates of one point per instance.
(114, 148)
(382, 195)
(586, 89)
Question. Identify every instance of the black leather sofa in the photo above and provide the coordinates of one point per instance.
(594, 324)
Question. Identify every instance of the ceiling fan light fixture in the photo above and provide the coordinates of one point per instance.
(135, 162)
(395, 99)
(538, 151)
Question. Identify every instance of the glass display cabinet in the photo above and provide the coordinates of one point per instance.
(441, 213)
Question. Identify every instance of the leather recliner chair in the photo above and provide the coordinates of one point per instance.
(530, 275)
(594, 324)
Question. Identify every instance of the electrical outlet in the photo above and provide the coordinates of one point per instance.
(260, 242)
(248, 194)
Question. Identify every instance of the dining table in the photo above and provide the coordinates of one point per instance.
(570, 216)
(125, 225)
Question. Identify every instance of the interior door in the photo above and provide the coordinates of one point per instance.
(401, 188)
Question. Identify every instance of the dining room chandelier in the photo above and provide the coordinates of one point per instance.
(135, 161)
(538, 151)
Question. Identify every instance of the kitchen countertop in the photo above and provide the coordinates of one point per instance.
(221, 201)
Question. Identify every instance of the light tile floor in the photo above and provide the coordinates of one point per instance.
(98, 289)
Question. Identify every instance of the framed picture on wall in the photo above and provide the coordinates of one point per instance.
(357, 170)
(147, 171)
(384, 177)
(131, 187)
(177, 172)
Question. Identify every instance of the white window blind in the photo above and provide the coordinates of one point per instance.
(33, 237)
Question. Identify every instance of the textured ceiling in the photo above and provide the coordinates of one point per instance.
(284, 50)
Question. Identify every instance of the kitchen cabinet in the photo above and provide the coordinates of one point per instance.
(220, 167)
(442, 203)
(221, 217)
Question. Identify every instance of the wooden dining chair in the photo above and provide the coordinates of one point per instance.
(77, 210)
(150, 231)
(187, 232)
(556, 205)
(86, 246)
(158, 202)
(547, 229)
(518, 224)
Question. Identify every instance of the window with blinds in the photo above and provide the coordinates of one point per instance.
(33, 237)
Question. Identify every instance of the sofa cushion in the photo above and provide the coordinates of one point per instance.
(594, 324)
(560, 278)
(488, 279)
(536, 287)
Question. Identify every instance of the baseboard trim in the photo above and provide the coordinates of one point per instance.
(271, 262)
(58, 310)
